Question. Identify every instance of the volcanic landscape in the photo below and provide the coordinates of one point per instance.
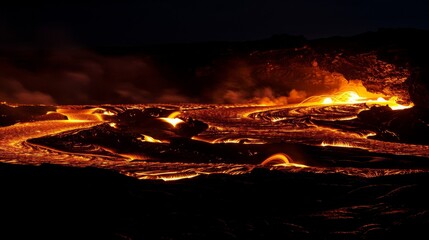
(343, 154)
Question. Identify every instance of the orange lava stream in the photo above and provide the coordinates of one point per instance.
(283, 160)
(14, 147)
(339, 144)
(352, 97)
(12, 137)
(172, 119)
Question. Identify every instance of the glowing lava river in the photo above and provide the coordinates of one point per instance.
(325, 135)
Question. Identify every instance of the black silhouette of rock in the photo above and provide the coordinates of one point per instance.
(89, 203)
(190, 127)
(409, 125)
(419, 87)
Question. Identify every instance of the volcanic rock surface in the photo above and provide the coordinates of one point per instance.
(369, 185)
(55, 202)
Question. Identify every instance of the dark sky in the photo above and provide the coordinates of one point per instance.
(47, 48)
(95, 22)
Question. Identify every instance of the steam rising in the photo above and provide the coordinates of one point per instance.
(77, 76)
(14, 91)
(275, 85)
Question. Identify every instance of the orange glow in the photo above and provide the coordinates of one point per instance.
(239, 140)
(327, 100)
(338, 144)
(131, 157)
(171, 176)
(392, 103)
(174, 114)
(355, 93)
(147, 138)
(83, 114)
(281, 159)
(172, 118)
(370, 135)
(351, 97)
(172, 121)
(346, 97)
(226, 126)
(108, 113)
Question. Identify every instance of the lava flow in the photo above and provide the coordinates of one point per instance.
(329, 133)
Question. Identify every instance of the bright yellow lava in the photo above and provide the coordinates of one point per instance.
(327, 100)
(237, 141)
(147, 138)
(353, 92)
(338, 144)
(281, 159)
(392, 103)
(172, 177)
(172, 121)
(174, 114)
(90, 114)
(351, 97)
(172, 118)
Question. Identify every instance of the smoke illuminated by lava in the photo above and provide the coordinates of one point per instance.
(155, 114)
(80, 76)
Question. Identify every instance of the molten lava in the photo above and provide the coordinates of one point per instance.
(228, 139)
(147, 138)
(351, 97)
(338, 144)
(354, 92)
(172, 119)
(281, 159)
(91, 114)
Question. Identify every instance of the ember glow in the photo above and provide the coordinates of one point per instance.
(91, 114)
(172, 121)
(338, 144)
(147, 138)
(354, 93)
(281, 159)
(346, 127)
(237, 140)
(351, 97)
(208, 138)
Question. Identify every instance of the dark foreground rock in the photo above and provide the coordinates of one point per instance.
(55, 202)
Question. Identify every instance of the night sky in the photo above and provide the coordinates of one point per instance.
(96, 22)
(48, 49)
